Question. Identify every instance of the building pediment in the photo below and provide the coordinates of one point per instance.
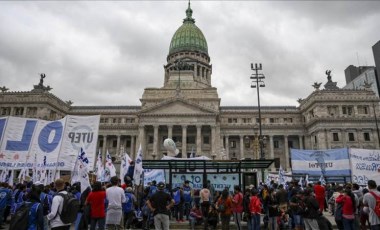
(177, 107)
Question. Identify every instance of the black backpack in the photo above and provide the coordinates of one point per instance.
(20, 219)
(70, 209)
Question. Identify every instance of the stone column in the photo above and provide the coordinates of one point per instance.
(170, 131)
(104, 149)
(141, 139)
(213, 144)
(359, 134)
(227, 147)
(287, 165)
(118, 153)
(344, 138)
(184, 143)
(155, 140)
(300, 142)
(241, 146)
(375, 138)
(25, 109)
(271, 152)
(199, 140)
(218, 143)
(133, 151)
(327, 140)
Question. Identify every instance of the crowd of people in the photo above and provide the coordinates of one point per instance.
(117, 205)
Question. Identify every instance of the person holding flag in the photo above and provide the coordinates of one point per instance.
(124, 167)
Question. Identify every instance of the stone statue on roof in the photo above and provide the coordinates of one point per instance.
(40, 87)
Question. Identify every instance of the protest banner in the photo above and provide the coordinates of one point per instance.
(25, 141)
(365, 164)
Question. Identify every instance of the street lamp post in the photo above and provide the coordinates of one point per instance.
(258, 81)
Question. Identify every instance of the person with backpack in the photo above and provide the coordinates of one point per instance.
(44, 200)
(29, 215)
(5, 198)
(178, 198)
(129, 207)
(224, 207)
(18, 197)
(57, 206)
(371, 202)
(96, 200)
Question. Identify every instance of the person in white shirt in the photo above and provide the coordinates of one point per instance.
(56, 208)
(115, 196)
(205, 203)
(369, 202)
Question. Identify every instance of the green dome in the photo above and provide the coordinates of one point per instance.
(188, 37)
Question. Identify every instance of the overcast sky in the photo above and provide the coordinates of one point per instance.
(106, 53)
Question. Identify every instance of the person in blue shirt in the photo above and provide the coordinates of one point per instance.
(188, 194)
(5, 198)
(35, 217)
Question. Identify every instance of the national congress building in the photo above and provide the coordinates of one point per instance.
(187, 109)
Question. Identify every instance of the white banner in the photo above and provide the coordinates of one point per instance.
(365, 165)
(275, 177)
(219, 181)
(25, 141)
(156, 174)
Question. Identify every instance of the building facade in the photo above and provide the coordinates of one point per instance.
(187, 109)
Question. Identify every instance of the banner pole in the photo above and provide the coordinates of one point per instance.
(60, 149)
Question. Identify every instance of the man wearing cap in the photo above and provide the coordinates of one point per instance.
(160, 204)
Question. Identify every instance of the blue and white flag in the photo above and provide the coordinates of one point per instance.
(109, 169)
(307, 179)
(138, 167)
(281, 176)
(301, 182)
(331, 162)
(125, 163)
(83, 157)
(80, 173)
(99, 168)
(267, 181)
(322, 180)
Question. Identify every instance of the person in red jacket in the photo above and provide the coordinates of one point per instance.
(96, 199)
(320, 194)
(255, 209)
(348, 209)
(237, 206)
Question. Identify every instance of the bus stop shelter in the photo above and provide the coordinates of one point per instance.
(206, 166)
